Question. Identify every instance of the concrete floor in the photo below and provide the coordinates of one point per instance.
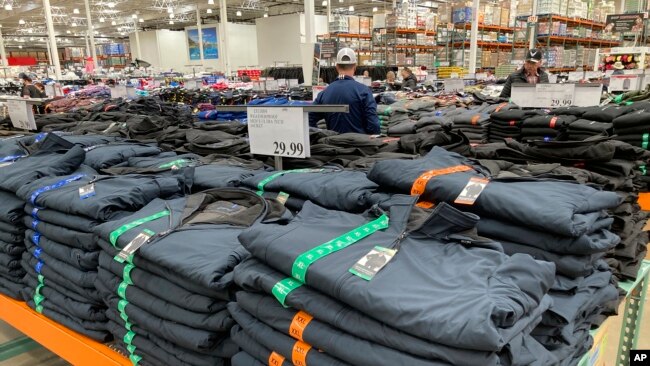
(43, 357)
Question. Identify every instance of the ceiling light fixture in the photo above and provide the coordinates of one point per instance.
(324, 3)
(75, 11)
(374, 10)
(266, 15)
(210, 2)
(113, 23)
(9, 7)
(110, 5)
(351, 8)
(141, 20)
(20, 46)
(134, 16)
(171, 22)
(209, 11)
(102, 20)
(238, 13)
(74, 24)
(170, 10)
(171, 16)
(21, 21)
(68, 31)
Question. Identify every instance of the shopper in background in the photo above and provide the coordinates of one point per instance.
(362, 116)
(29, 90)
(490, 78)
(245, 78)
(618, 68)
(410, 81)
(366, 74)
(41, 89)
(531, 73)
(390, 81)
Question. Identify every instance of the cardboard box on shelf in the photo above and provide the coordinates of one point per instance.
(353, 24)
(364, 25)
(461, 14)
(505, 17)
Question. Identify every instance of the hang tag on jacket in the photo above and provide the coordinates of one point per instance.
(87, 191)
(282, 197)
(370, 264)
(127, 252)
(472, 190)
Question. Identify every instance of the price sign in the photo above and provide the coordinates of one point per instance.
(258, 85)
(481, 76)
(21, 114)
(282, 83)
(576, 75)
(118, 91)
(315, 90)
(532, 19)
(623, 82)
(279, 131)
(554, 95)
(49, 90)
(293, 82)
(272, 85)
(454, 86)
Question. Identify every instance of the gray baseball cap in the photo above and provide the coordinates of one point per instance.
(346, 56)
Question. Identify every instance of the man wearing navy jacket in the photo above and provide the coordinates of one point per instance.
(362, 117)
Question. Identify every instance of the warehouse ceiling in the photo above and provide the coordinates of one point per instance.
(23, 21)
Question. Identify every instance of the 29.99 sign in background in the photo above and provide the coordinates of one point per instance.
(279, 132)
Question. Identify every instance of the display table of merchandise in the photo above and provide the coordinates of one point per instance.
(69, 345)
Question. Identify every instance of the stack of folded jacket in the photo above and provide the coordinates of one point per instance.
(166, 274)
(329, 187)
(52, 157)
(633, 128)
(62, 254)
(558, 222)
(342, 281)
(547, 127)
(388, 117)
(583, 128)
(506, 123)
(474, 125)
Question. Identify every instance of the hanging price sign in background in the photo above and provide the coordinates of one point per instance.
(21, 114)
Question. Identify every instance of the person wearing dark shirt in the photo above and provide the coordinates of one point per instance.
(410, 81)
(531, 73)
(29, 90)
(245, 78)
(362, 116)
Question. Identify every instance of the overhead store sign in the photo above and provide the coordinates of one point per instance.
(625, 22)
(279, 131)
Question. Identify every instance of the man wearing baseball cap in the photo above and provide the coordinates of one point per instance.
(531, 73)
(345, 90)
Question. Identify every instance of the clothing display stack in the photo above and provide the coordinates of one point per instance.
(473, 123)
(166, 274)
(505, 122)
(633, 128)
(545, 127)
(20, 167)
(567, 227)
(344, 308)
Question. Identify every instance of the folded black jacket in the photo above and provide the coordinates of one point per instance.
(81, 310)
(424, 251)
(113, 194)
(569, 151)
(527, 202)
(84, 260)
(57, 218)
(55, 157)
(11, 207)
(195, 219)
(597, 239)
(107, 155)
(587, 125)
(606, 113)
(156, 306)
(633, 119)
(340, 190)
(71, 238)
(514, 114)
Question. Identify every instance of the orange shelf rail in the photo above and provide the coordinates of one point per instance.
(67, 344)
(485, 27)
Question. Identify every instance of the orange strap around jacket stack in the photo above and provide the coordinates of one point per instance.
(300, 321)
(276, 359)
(299, 353)
(420, 184)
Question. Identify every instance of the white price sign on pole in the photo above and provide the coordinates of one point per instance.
(554, 95)
(21, 114)
(272, 85)
(278, 131)
(454, 86)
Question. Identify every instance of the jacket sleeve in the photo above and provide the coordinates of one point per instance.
(505, 93)
(314, 117)
(543, 77)
(370, 111)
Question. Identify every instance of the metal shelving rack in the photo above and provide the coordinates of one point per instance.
(341, 40)
(386, 46)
